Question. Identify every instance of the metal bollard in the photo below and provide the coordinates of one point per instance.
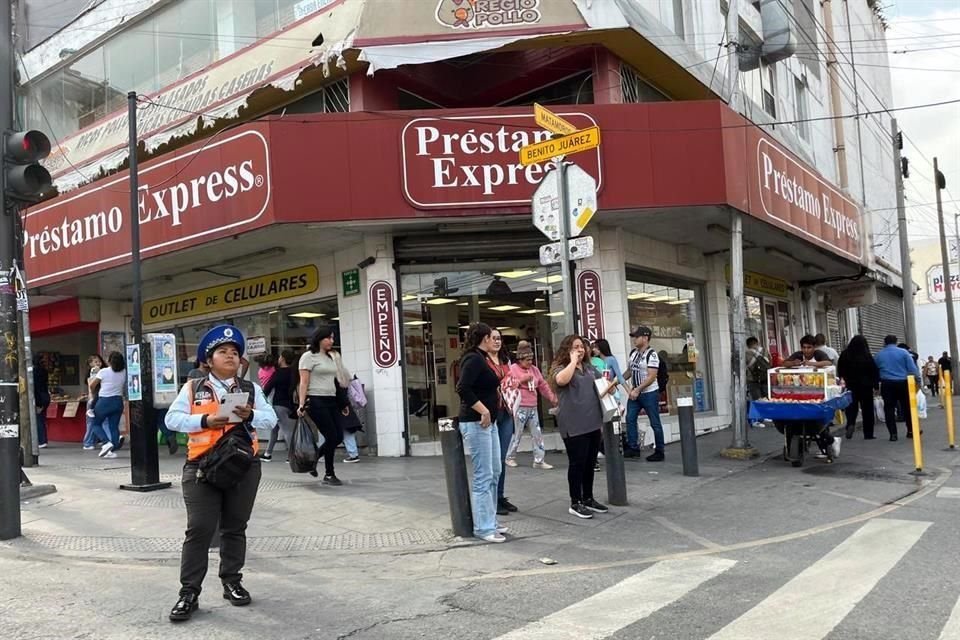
(688, 437)
(613, 461)
(946, 399)
(455, 471)
(914, 426)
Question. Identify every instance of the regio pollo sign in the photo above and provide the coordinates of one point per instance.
(473, 161)
(186, 200)
(383, 325)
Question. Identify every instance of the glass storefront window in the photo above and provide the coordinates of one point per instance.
(674, 311)
(438, 307)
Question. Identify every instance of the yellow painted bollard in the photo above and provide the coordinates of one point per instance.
(915, 423)
(946, 399)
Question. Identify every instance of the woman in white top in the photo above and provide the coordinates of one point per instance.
(323, 392)
(112, 383)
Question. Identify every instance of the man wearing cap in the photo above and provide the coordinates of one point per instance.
(196, 412)
(644, 394)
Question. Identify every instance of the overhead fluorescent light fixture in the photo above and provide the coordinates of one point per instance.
(439, 301)
(660, 299)
(307, 314)
(684, 301)
(639, 296)
(516, 273)
(416, 323)
(505, 307)
(549, 279)
(463, 304)
(530, 312)
(407, 297)
(554, 314)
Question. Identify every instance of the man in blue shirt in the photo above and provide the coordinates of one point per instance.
(896, 365)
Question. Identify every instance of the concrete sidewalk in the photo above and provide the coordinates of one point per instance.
(384, 504)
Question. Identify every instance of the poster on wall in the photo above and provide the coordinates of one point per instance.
(164, 351)
(111, 341)
(134, 384)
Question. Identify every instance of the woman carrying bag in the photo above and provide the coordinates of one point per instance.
(580, 421)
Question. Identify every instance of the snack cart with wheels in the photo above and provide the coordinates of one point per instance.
(803, 402)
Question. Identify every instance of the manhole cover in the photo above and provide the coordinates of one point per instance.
(860, 472)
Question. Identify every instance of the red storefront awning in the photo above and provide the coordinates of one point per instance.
(404, 165)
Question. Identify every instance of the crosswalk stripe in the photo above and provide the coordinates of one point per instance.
(818, 598)
(948, 492)
(604, 613)
(951, 631)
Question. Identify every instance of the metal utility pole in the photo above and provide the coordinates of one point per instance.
(740, 445)
(9, 347)
(906, 268)
(941, 184)
(144, 461)
(568, 286)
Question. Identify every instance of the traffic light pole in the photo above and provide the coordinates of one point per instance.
(144, 461)
(9, 345)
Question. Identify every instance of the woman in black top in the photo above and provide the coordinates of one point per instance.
(479, 389)
(282, 383)
(859, 372)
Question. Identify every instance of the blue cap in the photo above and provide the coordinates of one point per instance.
(221, 334)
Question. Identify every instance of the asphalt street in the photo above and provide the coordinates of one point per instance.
(855, 549)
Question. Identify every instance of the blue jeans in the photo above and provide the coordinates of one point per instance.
(107, 413)
(94, 433)
(649, 402)
(484, 445)
(505, 430)
(350, 444)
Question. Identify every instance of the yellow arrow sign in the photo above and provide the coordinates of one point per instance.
(582, 140)
(551, 121)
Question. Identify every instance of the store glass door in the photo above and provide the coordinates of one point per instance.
(523, 303)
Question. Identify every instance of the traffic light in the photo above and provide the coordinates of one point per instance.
(25, 179)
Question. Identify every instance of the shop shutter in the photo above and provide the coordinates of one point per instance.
(885, 317)
(834, 338)
(469, 247)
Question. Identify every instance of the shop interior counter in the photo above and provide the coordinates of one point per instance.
(66, 420)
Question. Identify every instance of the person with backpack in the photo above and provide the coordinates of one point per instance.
(648, 374)
(222, 473)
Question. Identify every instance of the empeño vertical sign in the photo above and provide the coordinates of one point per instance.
(383, 325)
(590, 305)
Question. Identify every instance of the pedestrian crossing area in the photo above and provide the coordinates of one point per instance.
(809, 606)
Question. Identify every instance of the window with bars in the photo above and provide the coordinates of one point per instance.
(336, 97)
(633, 88)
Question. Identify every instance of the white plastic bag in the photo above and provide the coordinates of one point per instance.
(921, 405)
(878, 409)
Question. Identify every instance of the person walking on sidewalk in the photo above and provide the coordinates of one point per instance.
(530, 381)
(282, 383)
(479, 390)
(41, 400)
(504, 423)
(895, 365)
(111, 383)
(644, 394)
(94, 434)
(196, 411)
(321, 370)
(580, 420)
(932, 371)
(858, 370)
(820, 341)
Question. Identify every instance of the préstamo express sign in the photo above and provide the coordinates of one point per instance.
(473, 161)
(243, 293)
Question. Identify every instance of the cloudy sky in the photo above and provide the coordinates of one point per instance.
(924, 45)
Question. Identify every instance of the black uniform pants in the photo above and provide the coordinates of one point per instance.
(207, 506)
(582, 456)
(895, 395)
(323, 411)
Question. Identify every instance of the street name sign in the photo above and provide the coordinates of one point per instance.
(551, 121)
(582, 140)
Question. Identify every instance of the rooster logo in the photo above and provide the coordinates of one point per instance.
(457, 14)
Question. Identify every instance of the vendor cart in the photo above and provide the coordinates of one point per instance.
(801, 423)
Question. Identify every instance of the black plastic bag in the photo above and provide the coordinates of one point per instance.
(303, 447)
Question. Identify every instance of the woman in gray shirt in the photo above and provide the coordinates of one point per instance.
(580, 419)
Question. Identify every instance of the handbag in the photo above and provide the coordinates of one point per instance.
(228, 461)
(349, 423)
(608, 403)
(510, 394)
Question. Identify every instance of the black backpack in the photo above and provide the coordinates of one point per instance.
(231, 457)
(663, 376)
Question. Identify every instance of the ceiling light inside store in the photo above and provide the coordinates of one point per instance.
(530, 312)
(407, 297)
(505, 307)
(639, 296)
(659, 299)
(463, 304)
(439, 301)
(539, 299)
(554, 314)
(416, 323)
(502, 328)
(307, 314)
(335, 318)
(517, 273)
(679, 302)
(549, 279)
(482, 302)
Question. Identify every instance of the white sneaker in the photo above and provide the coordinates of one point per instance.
(109, 454)
(600, 455)
(105, 449)
(835, 447)
(42, 446)
(502, 529)
(90, 448)
(542, 465)
(511, 463)
(494, 537)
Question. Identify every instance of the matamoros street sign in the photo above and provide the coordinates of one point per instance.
(472, 160)
(191, 197)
